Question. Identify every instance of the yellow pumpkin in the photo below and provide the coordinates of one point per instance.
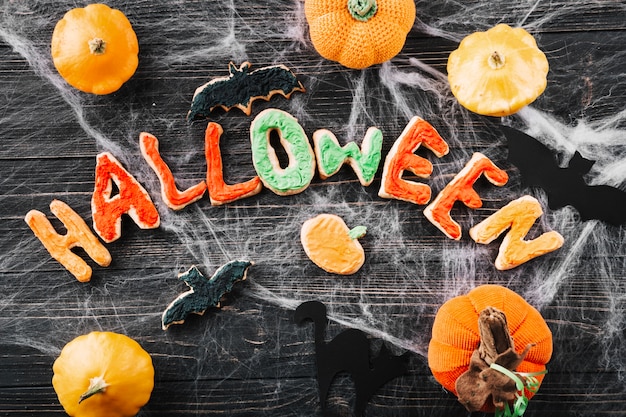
(95, 49)
(359, 33)
(497, 72)
(103, 374)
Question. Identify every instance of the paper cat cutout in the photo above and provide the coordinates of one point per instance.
(203, 293)
(564, 186)
(349, 352)
(241, 87)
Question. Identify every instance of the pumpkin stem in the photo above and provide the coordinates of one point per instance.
(357, 232)
(97, 385)
(496, 60)
(362, 10)
(97, 46)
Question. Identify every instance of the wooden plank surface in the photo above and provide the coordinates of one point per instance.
(249, 358)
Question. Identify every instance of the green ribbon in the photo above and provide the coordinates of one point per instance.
(523, 380)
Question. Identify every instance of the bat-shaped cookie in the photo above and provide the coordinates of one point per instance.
(203, 293)
(241, 87)
(564, 186)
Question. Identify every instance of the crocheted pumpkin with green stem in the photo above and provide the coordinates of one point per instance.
(359, 33)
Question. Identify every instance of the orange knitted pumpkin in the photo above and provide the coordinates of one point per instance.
(455, 334)
(359, 33)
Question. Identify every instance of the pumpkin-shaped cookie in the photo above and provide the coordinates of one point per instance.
(359, 33)
(331, 245)
(497, 72)
(455, 333)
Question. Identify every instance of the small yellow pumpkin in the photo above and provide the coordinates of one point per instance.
(359, 33)
(497, 72)
(103, 374)
(95, 49)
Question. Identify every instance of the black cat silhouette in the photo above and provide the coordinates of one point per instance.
(349, 352)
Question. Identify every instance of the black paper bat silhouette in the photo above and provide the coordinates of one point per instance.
(349, 352)
(203, 293)
(564, 186)
(241, 87)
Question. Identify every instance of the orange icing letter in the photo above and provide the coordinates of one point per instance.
(78, 234)
(460, 189)
(132, 199)
(401, 158)
(219, 191)
(174, 199)
(519, 215)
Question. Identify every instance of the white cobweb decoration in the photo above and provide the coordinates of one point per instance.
(411, 268)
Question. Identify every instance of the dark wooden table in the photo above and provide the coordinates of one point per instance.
(249, 358)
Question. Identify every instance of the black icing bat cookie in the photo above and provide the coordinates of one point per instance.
(241, 87)
(564, 186)
(204, 293)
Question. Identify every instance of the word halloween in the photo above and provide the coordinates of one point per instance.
(132, 199)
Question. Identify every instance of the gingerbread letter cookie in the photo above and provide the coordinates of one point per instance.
(461, 189)
(331, 156)
(172, 197)
(60, 246)
(132, 199)
(301, 168)
(219, 191)
(518, 216)
(402, 158)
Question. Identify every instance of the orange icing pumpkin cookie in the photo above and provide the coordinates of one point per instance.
(518, 216)
(331, 245)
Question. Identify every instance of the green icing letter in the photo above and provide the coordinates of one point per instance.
(331, 156)
(301, 169)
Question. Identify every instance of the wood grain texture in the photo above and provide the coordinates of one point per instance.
(249, 358)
